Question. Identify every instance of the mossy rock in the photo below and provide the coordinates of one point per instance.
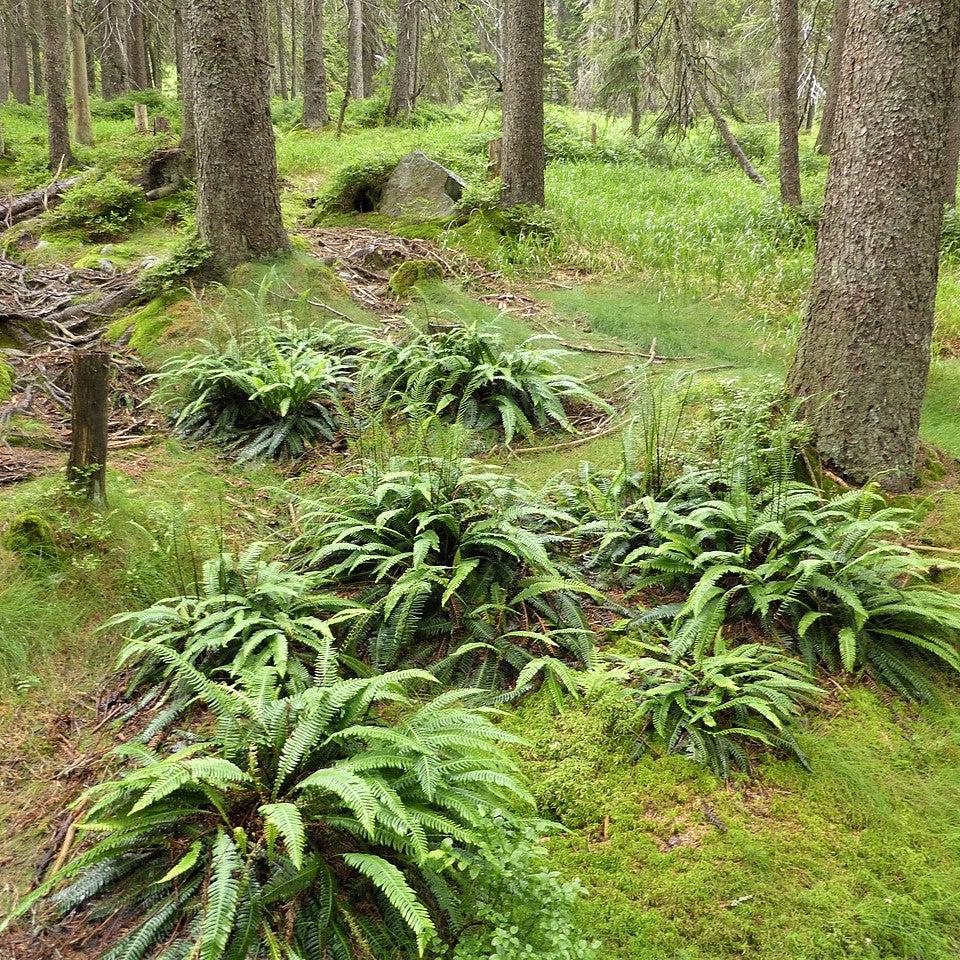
(410, 273)
(6, 381)
(31, 537)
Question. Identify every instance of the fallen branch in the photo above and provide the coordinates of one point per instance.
(574, 443)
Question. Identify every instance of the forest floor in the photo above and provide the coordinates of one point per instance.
(859, 858)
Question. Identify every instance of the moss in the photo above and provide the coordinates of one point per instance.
(355, 188)
(31, 536)
(148, 324)
(6, 381)
(410, 273)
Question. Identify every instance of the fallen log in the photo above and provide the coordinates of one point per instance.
(29, 204)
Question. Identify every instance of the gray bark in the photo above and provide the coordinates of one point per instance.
(137, 49)
(788, 29)
(188, 132)
(19, 55)
(315, 110)
(952, 145)
(355, 49)
(58, 118)
(523, 146)
(864, 350)
(238, 198)
(838, 29)
(89, 425)
(402, 92)
(4, 58)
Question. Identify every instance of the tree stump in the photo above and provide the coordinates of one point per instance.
(89, 418)
(140, 121)
(494, 157)
(161, 125)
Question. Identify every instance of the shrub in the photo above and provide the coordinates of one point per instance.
(121, 108)
(243, 614)
(105, 208)
(453, 561)
(267, 394)
(474, 379)
(355, 188)
(307, 826)
(714, 708)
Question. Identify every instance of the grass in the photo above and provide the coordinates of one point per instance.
(859, 859)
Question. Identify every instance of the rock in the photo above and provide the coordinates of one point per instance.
(421, 189)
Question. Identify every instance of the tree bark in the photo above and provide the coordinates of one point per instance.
(82, 121)
(282, 87)
(316, 113)
(19, 55)
(952, 144)
(137, 48)
(355, 49)
(112, 69)
(238, 199)
(402, 92)
(838, 30)
(58, 118)
(188, 132)
(523, 146)
(4, 58)
(865, 343)
(89, 423)
(371, 43)
(293, 49)
(34, 30)
(788, 28)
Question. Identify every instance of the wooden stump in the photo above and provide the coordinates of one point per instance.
(89, 418)
(593, 134)
(494, 157)
(140, 121)
(161, 125)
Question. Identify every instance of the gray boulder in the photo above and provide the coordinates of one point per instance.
(421, 189)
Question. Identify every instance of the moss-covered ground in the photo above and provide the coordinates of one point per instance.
(859, 858)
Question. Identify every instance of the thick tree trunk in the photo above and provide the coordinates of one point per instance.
(293, 49)
(89, 425)
(19, 53)
(112, 71)
(282, 89)
(315, 110)
(137, 48)
(188, 133)
(865, 344)
(402, 92)
(838, 30)
(788, 29)
(355, 49)
(58, 118)
(82, 121)
(34, 31)
(523, 148)
(952, 145)
(238, 199)
(371, 43)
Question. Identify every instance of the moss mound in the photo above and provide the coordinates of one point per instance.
(31, 536)
(410, 273)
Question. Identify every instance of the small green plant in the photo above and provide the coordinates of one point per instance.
(355, 188)
(716, 707)
(244, 613)
(189, 258)
(267, 394)
(454, 562)
(104, 208)
(473, 378)
(308, 826)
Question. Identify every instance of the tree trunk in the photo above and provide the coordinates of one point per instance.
(137, 49)
(401, 93)
(838, 30)
(89, 425)
(58, 118)
(371, 42)
(865, 344)
(523, 148)
(82, 121)
(293, 49)
(355, 49)
(4, 58)
(112, 71)
(952, 145)
(238, 199)
(315, 110)
(34, 30)
(19, 55)
(282, 88)
(788, 29)
(188, 134)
